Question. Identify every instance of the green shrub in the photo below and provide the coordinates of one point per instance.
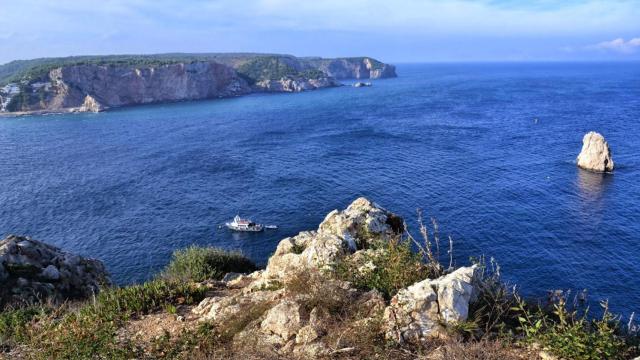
(201, 263)
(14, 323)
(388, 267)
(91, 329)
(571, 334)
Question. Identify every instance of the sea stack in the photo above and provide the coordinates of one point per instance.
(595, 154)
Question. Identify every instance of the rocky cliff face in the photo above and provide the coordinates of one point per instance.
(294, 84)
(355, 68)
(91, 87)
(94, 87)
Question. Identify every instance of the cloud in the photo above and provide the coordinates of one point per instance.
(618, 45)
(453, 28)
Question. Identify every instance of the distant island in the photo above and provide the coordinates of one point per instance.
(96, 83)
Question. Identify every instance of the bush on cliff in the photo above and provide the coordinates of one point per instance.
(205, 263)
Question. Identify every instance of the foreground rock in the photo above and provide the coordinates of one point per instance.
(340, 234)
(32, 271)
(296, 307)
(595, 154)
(422, 310)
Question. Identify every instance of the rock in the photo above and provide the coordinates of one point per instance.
(595, 154)
(231, 276)
(362, 84)
(421, 310)
(455, 291)
(51, 273)
(307, 334)
(3, 273)
(90, 104)
(340, 234)
(294, 84)
(33, 271)
(284, 320)
(412, 315)
(223, 308)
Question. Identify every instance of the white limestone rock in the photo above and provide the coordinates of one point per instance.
(284, 320)
(339, 235)
(422, 310)
(595, 154)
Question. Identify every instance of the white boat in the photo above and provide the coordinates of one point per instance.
(240, 224)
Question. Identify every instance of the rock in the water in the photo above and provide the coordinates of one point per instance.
(420, 311)
(32, 271)
(595, 154)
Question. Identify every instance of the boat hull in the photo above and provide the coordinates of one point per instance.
(244, 229)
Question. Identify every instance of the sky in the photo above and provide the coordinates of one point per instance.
(391, 30)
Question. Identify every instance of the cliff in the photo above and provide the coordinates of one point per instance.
(94, 84)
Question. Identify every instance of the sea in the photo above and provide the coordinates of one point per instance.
(486, 149)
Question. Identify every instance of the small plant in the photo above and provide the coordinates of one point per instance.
(297, 248)
(571, 334)
(388, 267)
(14, 323)
(202, 263)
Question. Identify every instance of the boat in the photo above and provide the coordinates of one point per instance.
(271, 227)
(246, 225)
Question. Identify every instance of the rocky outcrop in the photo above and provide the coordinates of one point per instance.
(297, 84)
(286, 306)
(354, 68)
(340, 234)
(91, 105)
(32, 271)
(595, 154)
(424, 309)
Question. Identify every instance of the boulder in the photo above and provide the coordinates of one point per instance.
(284, 320)
(455, 292)
(422, 310)
(413, 315)
(33, 271)
(595, 154)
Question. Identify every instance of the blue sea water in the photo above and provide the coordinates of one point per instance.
(460, 141)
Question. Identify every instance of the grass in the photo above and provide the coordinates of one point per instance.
(197, 264)
(79, 331)
(501, 324)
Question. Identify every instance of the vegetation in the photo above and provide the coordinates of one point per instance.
(389, 266)
(197, 264)
(277, 65)
(501, 325)
(79, 331)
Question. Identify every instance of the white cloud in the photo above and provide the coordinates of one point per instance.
(618, 45)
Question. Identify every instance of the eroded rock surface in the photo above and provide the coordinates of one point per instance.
(595, 154)
(287, 306)
(31, 271)
(420, 311)
(340, 234)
